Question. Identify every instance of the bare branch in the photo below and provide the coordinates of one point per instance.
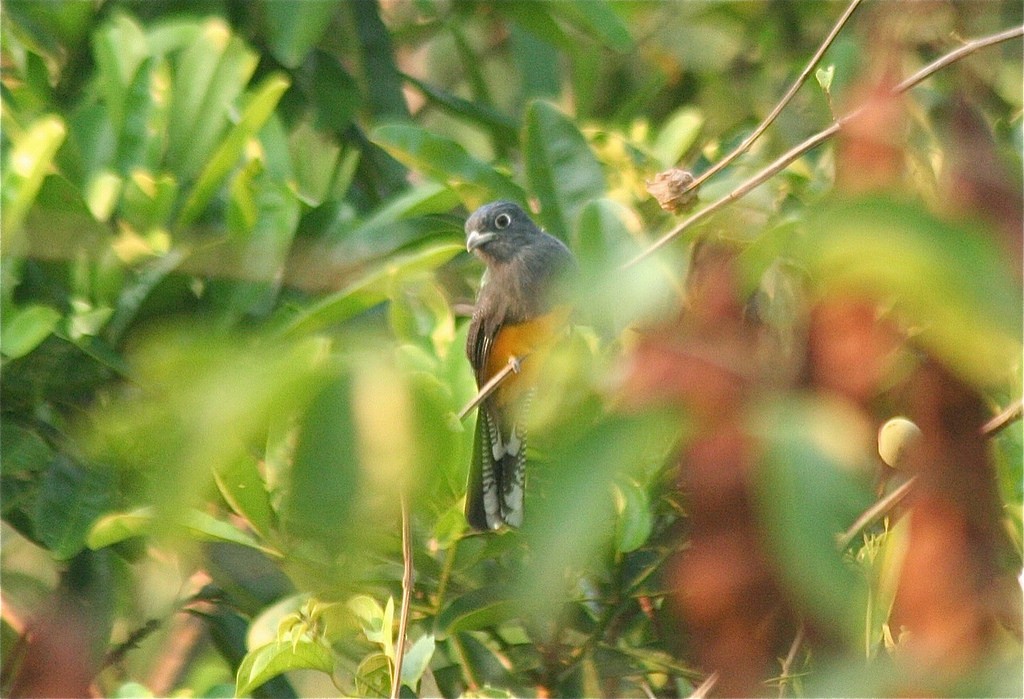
(787, 665)
(879, 509)
(1004, 419)
(492, 385)
(817, 139)
(756, 133)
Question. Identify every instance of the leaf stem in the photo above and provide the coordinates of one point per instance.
(817, 139)
(407, 581)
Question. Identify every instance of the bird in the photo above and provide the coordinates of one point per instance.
(521, 309)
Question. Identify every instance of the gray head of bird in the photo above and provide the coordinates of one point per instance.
(495, 231)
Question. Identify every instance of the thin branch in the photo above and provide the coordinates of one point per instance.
(1003, 420)
(705, 687)
(793, 89)
(492, 385)
(817, 139)
(787, 665)
(873, 513)
(403, 617)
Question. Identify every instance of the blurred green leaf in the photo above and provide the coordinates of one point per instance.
(598, 19)
(447, 161)
(295, 26)
(950, 282)
(23, 329)
(563, 172)
(810, 486)
(325, 474)
(113, 528)
(263, 663)
(368, 291)
(677, 136)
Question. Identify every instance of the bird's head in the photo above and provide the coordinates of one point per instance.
(495, 231)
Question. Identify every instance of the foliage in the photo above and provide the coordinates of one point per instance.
(233, 313)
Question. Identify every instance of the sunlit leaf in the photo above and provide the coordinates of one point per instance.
(263, 663)
(27, 161)
(255, 113)
(809, 488)
(677, 136)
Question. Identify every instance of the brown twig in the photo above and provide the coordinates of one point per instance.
(1004, 419)
(787, 665)
(705, 687)
(403, 616)
(817, 139)
(879, 509)
(492, 385)
(763, 126)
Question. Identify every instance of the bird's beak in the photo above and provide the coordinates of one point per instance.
(475, 239)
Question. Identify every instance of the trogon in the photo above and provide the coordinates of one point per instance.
(522, 307)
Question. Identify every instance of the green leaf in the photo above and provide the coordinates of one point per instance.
(28, 160)
(25, 328)
(265, 628)
(114, 528)
(22, 450)
(210, 76)
(373, 676)
(599, 20)
(476, 609)
(953, 283)
(266, 662)
(562, 170)
(824, 77)
(809, 487)
(70, 499)
(254, 115)
(383, 82)
(242, 487)
(295, 26)
(447, 161)
(635, 520)
(325, 472)
(368, 291)
(417, 660)
(503, 127)
(117, 527)
(677, 136)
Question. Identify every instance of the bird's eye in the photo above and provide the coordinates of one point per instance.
(501, 221)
